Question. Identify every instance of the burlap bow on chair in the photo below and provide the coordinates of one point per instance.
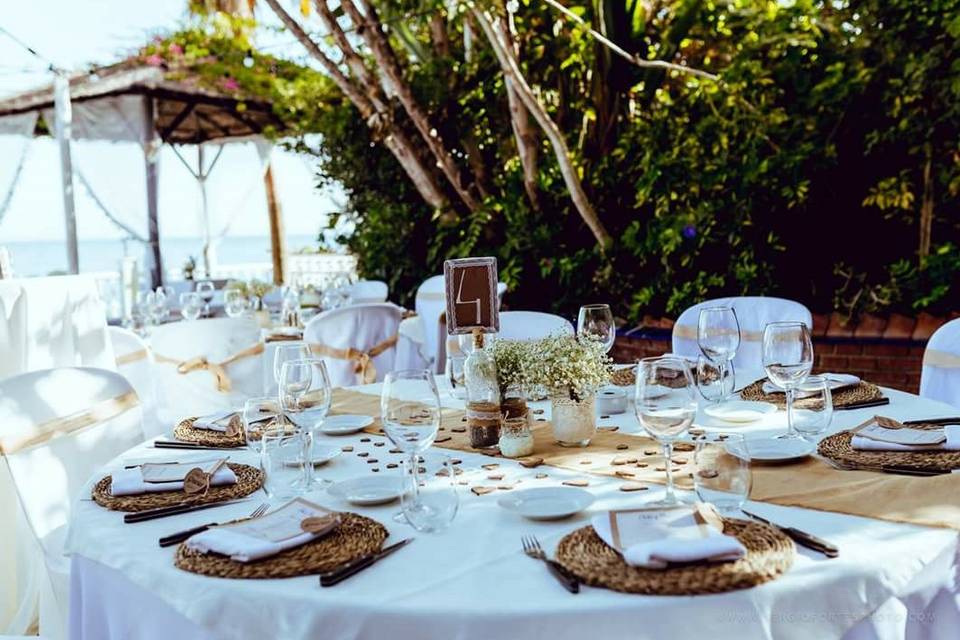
(218, 369)
(363, 367)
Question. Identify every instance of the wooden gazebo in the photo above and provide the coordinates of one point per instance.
(151, 105)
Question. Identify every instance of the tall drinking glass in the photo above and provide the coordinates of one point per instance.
(296, 378)
(235, 304)
(191, 306)
(718, 335)
(410, 412)
(666, 405)
(307, 410)
(288, 353)
(205, 289)
(595, 321)
(787, 359)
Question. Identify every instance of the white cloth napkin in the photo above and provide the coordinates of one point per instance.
(241, 547)
(214, 421)
(682, 542)
(952, 431)
(128, 482)
(836, 381)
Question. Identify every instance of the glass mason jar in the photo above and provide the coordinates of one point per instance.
(516, 439)
(574, 420)
(483, 396)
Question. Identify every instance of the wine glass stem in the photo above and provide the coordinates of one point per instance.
(414, 478)
(790, 430)
(668, 465)
(722, 372)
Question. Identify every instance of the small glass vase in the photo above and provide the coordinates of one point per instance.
(516, 439)
(574, 421)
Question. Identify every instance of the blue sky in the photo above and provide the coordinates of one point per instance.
(73, 33)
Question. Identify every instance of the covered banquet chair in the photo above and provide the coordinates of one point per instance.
(367, 291)
(57, 427)
(940, 376)
(135, 363)
(357, 343)
(532, 325)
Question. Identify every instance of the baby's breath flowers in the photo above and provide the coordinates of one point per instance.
(568, 366)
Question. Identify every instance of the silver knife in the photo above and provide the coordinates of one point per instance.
(802, 538)
(339, 574)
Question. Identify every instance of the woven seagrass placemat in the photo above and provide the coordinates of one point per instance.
(839, 447)
(185, 432)
(863, 392)
(249, 479)
(770, 553)
(356, 536)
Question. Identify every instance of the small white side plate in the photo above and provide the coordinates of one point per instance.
(367, 491)
(779, 449)
(547, 503)
(344, 424)
(321, 456)
(740, 411)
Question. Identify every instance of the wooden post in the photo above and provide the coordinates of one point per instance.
(277, 249)
(62, 128)
(151, 156)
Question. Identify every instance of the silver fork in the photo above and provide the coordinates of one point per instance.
(531, 547)
(180, 536)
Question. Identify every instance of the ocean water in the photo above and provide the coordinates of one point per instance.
(39, 258)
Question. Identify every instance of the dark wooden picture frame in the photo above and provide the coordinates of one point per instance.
(471, 285)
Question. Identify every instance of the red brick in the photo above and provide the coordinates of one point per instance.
(840, 326)
(870, 326)
(917, 351)
(864, 363)
(926, 325)
(883, 349)
(899, 327)
(824, 346)
(820, 323)
(849, 348)
(835, 363)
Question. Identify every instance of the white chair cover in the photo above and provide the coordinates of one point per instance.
(57, 427)
(940, 377)
(532, 325)
(368, 291)
(52, 322)
(754, 313)
(181, 395)
(360, 327)
(410, 347)
(135, 363)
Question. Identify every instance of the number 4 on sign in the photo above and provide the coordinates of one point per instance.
(473, 302)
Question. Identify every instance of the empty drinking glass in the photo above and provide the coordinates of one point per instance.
(235, 304)
(259, 415)
(666, 405)
(306, 408)
(454, 376)
(718, 336)
(787, 359)
(282, 462)
(722, 470)
(595, 321)
(714, 385)
(288, 353)
(813, 406)
(191, 306)
(205, 289)
(428, 496)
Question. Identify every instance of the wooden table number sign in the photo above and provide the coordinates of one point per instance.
(471, 285)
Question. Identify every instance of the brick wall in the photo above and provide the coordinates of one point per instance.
(889, 362)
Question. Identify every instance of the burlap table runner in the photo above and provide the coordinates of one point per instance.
(811, 484)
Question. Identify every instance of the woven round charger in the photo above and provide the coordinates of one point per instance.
(769, 554)
(839, 447)
(185, 432)
(356, 536)
(249, 479)
(863, 392)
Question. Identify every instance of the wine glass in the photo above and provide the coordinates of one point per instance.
(410, 413)
(713, 385)
(191, 306)
(206, 290)
(288, 353)
(595, 321)
(718, 335)
(307, 409)
(234, 303)
(159, 308)
(666, 405)
(787, 359)
(296, 378)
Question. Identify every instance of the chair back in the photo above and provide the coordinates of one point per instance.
(940, 376)
(368, 291)
(358, 343)
(754, 313)
(185, 386)
(532, 325)
(135, 363)
(430, 304)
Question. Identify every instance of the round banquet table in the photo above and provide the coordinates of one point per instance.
(472, 582)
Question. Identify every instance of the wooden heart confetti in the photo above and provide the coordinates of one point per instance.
(541, 476)
(482, 491)
(684, 447)
(347, 448)
(577, 482)
(495, 476)
(625, 474)
(319, 524)
(530, 463)
(622, 447)
(609, 428)
(490, 465)
(632, 486)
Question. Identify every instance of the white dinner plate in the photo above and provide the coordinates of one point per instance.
(547, 503)
(344, 424)
(740, 410)
(366, 490)
(321, 456)
(779, 449)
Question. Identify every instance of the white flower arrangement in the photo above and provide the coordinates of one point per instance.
(515, 366)
(568, 366)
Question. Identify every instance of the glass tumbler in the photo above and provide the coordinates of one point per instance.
(813, 406)
(721, 473)
(282, 459)
(429, 497)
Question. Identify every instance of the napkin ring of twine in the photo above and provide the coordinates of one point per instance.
(363, 360)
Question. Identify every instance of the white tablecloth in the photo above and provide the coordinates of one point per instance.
(473, 582)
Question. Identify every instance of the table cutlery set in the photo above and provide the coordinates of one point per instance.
(802, 538)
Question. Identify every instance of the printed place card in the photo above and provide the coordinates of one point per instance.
(177, 471)
(887, 430)
(287, 522)
(629, 527)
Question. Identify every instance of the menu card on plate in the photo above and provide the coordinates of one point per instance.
(177, 471)
(293, 519)
(888, 430)
(630, 527)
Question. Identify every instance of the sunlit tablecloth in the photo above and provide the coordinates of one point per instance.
(472, 581)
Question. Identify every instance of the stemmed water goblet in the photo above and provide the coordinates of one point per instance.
(665, 405)
(205, 289)
(718, 336)
(787, 359)
(305, 399)
(410, 413)
(595, 321)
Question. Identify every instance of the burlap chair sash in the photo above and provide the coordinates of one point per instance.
(217, 369)
(363, 360)
(941, 359)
